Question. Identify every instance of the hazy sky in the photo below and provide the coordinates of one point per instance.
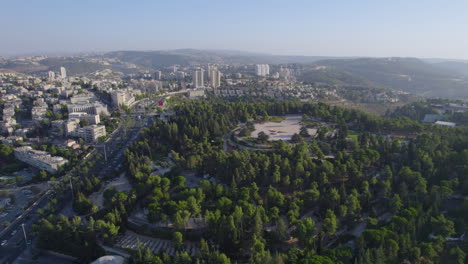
(416, 28)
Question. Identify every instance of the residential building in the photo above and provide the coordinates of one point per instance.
(94, 132)
(82, 98)
(92, 118)
(71, 125)
(122, 98)
(89, 133)
(197, 78)
(262, 69)
(215, 78)
(39, 159)
(209, 70)
(95, 108)
(39, 112)
(445, 124)
(196, 93)
(51, 75)
(7, 126)
(157, 75)
(63, 72)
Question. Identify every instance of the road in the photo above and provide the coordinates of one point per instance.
(114, 147)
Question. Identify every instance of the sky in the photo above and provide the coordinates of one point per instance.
(371, 28)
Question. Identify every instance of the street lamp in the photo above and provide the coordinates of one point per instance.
(24, 233)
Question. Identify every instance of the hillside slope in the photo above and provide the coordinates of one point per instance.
(407, 74)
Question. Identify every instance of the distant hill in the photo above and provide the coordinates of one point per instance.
(333, 76)
(454, 66)
(407, 74)
(154, 59)
(74, 65)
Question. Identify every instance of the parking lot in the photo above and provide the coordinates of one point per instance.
(22, 198)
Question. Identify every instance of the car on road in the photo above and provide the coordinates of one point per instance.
(14, 232)
(4, 242)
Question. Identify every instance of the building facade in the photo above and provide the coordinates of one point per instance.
(93, 119)
(122, 98)
(63, 72)
(262, 69)
(39, 159)
(197, 78)
(215, 78)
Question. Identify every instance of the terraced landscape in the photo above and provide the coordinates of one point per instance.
(132, 240)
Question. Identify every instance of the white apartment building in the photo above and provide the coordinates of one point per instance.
(89, 133)
(63, 72)
(70, 126)
(94, 132)
(197, 78)
(262, 69)
(51, 75)
(39, 112)
(215, 78)
(7, 126)
(39, 159)
(93, 119)
(196, 93)
(84, 98)
(209, 70)
(95, 108)
(122, 98)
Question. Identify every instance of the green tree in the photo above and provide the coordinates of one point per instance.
(296, 138)
(262, 137)
(396, 204)
(304, 132)
(259, 254)
(330, 223)
(281, 230)
(305, 232)
(177, 241)
(458, 255)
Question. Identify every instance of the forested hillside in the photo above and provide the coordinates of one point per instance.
(381, 199)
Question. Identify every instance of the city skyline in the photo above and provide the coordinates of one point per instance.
(361, 28)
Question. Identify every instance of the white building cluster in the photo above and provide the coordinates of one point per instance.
(39, 159)
(39, 110)
(90, 134)
(94, 108)
(8, 123)
(63, 74)
(122, 97)
(262, 69)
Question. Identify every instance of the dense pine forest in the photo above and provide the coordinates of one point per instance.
(365, 189)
